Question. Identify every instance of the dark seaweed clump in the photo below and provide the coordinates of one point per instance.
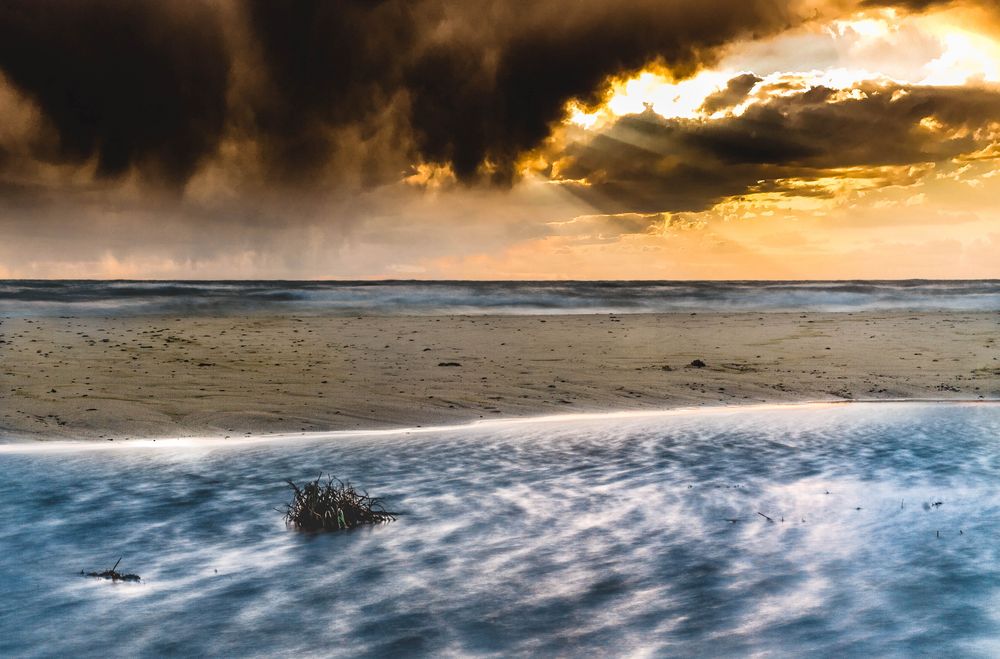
(113, 574)
(333, 505)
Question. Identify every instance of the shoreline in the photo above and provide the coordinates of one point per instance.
(127, 378)
(35, 445)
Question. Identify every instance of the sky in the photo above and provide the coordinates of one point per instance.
(488, 139)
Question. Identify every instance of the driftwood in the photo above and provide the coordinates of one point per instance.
(332, 506)
(113, 574)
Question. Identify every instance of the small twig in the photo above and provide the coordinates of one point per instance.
(765, 516)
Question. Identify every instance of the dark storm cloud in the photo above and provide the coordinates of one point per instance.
(912, 5)
(645, 163)
(128, 83)
(375, 85)
(147, 84)
(734, 93)
(488, 100)
(330, 63)
(481, 82)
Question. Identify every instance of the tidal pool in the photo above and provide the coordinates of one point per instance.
(620, 535)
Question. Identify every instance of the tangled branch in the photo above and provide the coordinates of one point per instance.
(333, 505)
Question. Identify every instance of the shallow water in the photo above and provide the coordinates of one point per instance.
(610, 535)
(123, 298)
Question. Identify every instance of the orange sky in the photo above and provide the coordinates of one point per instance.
(861, 145)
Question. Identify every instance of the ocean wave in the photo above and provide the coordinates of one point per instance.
(425, 298)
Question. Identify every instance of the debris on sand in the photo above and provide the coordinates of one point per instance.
(112, 574)
(697, 364)
(332, 506)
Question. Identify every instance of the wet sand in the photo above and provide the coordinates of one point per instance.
(119, 378)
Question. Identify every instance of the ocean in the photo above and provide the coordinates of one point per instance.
(118, 298)
(822, 530)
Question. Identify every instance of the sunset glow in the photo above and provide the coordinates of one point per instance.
(735, 132)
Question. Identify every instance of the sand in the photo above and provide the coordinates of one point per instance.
(120, 378)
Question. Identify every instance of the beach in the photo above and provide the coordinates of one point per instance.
(142, 376)
(420, 328)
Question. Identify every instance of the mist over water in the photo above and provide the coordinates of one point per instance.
(616, 536)
(116, 298)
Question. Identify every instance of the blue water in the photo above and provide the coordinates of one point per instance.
(607, 536)
(19, 298)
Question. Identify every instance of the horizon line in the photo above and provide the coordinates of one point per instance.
(375, 280)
